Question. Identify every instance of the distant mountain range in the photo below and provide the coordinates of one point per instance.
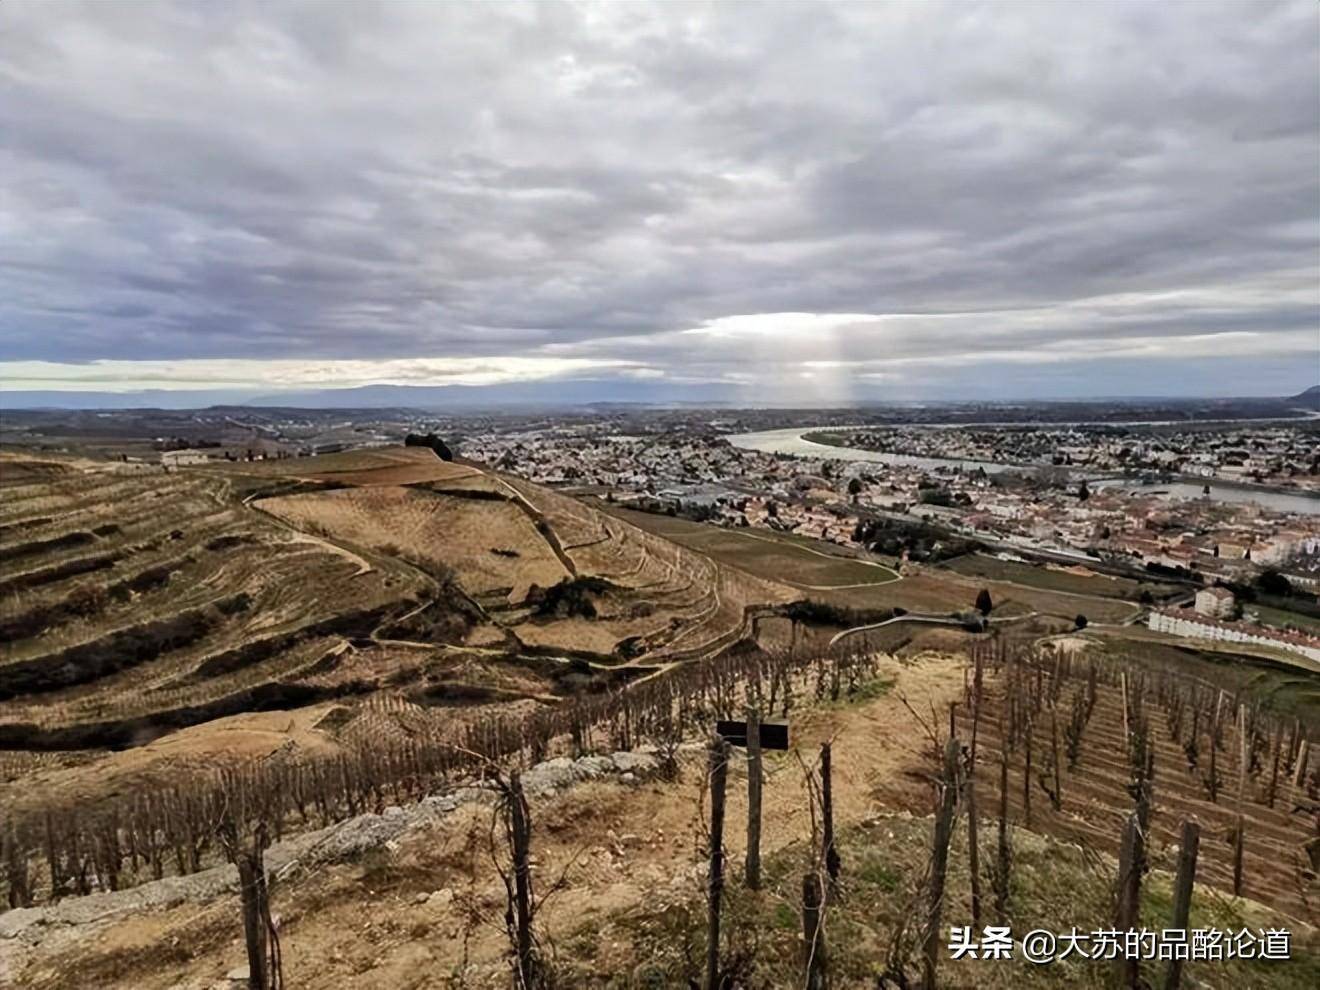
(543, 393)
(547, 394)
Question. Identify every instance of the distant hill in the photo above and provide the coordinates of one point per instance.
(595, 394)
(549, 393)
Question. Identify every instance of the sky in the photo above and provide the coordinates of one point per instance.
(809, 203)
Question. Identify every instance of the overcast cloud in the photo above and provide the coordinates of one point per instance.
(826, 201)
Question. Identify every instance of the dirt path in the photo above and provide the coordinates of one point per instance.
(540, 523)
(300, 536)
(363, 567)
(935, 620)
(618, 847)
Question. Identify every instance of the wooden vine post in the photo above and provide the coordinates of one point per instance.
(1004, 852)
(1026, 773)
(1182, 895)
(1239, 831)
(1299, 768)
(831, 854)
(719, 775)
(944, 821)
(1127, 731)
(973, 824)
(752, 874)
(1129, 894)
(520, 833)
(1274, 765)
(1057, 797)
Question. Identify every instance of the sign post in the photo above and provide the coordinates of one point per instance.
(774, 733)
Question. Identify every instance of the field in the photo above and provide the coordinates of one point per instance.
(122, 590)
(1052, 577)
(837, 576)
(802, 562)
(431, 529)
(935, 590)
(1285, 619)
(629, 595)
(136, 603)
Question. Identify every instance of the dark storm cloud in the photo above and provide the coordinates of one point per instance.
(314, 182)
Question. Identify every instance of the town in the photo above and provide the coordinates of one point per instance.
(709, 478)
(1055, 511)
(1282, 456)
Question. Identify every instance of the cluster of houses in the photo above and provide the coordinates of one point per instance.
(1277, 455)
(823, 497)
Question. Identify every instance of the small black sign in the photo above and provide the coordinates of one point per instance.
(774, 733)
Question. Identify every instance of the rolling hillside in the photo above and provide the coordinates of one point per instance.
(147, 616)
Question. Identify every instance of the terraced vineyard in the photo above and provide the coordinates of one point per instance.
(133, 603)
(147, 616)
(1095, 726)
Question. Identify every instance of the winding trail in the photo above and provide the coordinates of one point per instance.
(540, 522)
(935, 620)
(363, 565)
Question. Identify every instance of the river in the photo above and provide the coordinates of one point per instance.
(792, 441)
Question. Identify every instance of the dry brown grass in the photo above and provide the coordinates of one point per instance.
(459, 533)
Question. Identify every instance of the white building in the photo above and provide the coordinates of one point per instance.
(1196, 627)
(178, 458)
(1217, 603)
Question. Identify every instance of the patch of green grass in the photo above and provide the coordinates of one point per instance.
(785, 917)
(875, 688)
(1050, 578)
(868, 690)
(1284, 619)
(878, 874)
